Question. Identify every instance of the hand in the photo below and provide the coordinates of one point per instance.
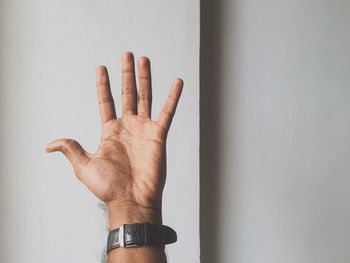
(129, 167)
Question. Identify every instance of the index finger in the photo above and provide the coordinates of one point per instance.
(167, 113)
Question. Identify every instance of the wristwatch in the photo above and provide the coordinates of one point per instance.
(140, 234)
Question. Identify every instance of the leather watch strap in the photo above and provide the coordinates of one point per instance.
(140, 234)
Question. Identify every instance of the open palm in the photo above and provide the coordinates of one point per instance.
(130, 163)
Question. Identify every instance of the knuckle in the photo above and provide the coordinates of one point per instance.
(128, 90)
(145, 79)
(173, 99)
(102, 82)
(128, 71)
(163, 129)
(143, 113)
(68, 144)
(145, 96)
(128, 111)
(167, 111)
(106, 100)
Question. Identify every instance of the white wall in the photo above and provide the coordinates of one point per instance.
(276, 131)
(49, 51)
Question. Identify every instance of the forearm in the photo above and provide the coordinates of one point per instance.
(119, 215)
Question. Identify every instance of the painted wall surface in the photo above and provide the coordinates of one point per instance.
(276, 134)
(49, 51)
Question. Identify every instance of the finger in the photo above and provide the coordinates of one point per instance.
(129, 92)
(145, 88)
(167, 113)
(72, 150)
(104, 94)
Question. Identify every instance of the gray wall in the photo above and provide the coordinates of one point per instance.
(49, 51)
(275, 131)
(274, 125)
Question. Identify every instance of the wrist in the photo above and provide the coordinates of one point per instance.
(129, 213)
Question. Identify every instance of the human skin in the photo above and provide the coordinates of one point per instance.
(128, 170)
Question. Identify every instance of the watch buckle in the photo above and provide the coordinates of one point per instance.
(121, 236)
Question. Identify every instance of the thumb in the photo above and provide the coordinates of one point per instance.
(72, 150)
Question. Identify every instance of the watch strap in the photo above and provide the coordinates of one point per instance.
(140, 234)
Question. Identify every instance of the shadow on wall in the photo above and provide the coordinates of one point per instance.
(3, 208)
(210, 123)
